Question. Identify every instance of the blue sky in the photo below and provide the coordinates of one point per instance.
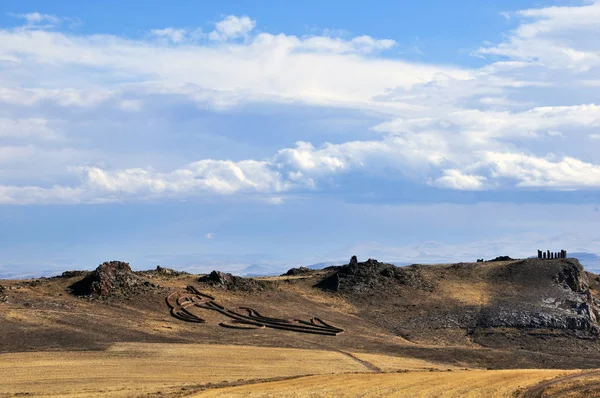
(201, 135)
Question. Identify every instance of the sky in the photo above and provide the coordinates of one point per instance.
(256, 136)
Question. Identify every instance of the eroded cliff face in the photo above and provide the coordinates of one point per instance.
(553, 294)
(518, 294)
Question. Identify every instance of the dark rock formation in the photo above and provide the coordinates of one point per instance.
(370, 276)
(236, 283)
(298, 271)
(502, 258)
(114, 278)
(72, 274)
(163, 272)
(353, 261)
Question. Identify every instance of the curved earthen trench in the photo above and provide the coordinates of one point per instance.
(179, 303)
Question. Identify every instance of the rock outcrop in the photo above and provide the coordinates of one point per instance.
(371, 276)
(163, 272)
(72, 274)
(298, 271)
(114, 278)
(235, 283)
(502, 258)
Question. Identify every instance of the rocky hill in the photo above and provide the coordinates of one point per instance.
(439, 303)
(114, 278)
(501, 314)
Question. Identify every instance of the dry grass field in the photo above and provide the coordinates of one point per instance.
(135, 369)
(458, 384)
(175, 370)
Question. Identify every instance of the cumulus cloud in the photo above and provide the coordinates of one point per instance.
(455, 179)
(232, 27)
(533, 171)
(514, 122)
(557, 37)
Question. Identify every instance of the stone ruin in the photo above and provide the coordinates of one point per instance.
(548, 255)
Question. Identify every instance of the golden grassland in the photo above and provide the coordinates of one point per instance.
(132, 369)
(202, 370)
(459, 384)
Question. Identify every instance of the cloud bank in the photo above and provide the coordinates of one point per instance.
(526, 120)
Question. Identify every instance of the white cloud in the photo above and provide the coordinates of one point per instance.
(532, 171)
(455, 179)
(316, 70)
(36, 18)
(360, 44)
(530, 120)
(209, 235)
(232, 27)
(175, 35)
(565, 37)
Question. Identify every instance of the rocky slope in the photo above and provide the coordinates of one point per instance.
(520, 294)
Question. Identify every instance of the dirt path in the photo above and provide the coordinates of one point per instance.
(364, 363)
(538, 390)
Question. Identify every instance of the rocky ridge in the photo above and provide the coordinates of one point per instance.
(372, 275)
